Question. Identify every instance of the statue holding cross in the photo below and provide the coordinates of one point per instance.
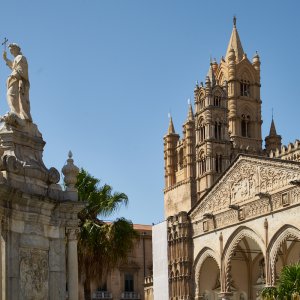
(17, 82)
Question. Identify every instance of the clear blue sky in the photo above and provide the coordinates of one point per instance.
(105, 74)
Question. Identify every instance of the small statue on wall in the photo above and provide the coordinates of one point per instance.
(18, 83)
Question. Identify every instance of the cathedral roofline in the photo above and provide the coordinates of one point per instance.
(232, 165)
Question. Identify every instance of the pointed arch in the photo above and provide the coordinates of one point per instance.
(232, 243)
(205, 253)
(237, 236)
(285, 232)
(245, 67)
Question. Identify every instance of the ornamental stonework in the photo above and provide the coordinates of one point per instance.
(248, 178)
(34, 273)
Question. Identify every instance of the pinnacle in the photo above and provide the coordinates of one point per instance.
(211, 75)
(190, 113)
(272, 129)
(235, 44)
(171, 127)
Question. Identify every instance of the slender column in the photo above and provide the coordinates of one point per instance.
(72, 263)
(3, 231)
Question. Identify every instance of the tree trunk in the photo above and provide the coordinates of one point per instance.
(87, 288)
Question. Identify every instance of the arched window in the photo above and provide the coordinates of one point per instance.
(180, 159)
(201, 103)
(218, 128)
(218, 163)
(245, 88)
(202, 164)
(217, 100)
(245, 125)
(202, 132)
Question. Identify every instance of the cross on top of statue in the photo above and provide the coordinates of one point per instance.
(4, 43)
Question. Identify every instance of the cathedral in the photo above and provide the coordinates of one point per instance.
(231, 205)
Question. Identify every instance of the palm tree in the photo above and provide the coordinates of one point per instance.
(288, 287)
(101, 245)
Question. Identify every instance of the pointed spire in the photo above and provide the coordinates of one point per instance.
(171, 126)
(273, 129)
(273, 140)
(235, 43)
(190, 116)
(211, 75)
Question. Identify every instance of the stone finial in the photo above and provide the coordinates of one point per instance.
(235, 43)
(70, 172)
(171, 129)
(190, 116)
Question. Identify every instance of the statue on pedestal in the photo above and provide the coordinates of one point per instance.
(18, 83)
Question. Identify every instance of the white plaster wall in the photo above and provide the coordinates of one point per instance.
(160, 261)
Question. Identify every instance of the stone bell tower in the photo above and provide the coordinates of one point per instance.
(39, 223)
(227, 122)
(244, 103)
(213, 147)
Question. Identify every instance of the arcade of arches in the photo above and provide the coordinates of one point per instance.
(246, 267)
(231, 205)
(238, 238)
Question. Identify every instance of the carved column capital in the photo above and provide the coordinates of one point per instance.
(72, 233)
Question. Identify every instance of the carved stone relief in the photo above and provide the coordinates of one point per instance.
(34, 274)
(248, 177)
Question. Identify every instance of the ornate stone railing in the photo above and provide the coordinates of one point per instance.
(131, 295)
(101, 295)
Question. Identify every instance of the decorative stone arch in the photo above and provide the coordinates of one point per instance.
(218, 150)
(246, 114)
(201, 122)
(222, 72)
(231, 245)
(200, 259)
(202, 94)
(246, 110)
(218, 94)
(246, 68)
(285, 232)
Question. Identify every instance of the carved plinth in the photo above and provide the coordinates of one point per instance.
(21, 158)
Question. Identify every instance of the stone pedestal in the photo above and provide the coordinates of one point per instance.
(35, 215)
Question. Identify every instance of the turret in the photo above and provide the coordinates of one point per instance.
(170, 142)
(273, 140)
(256, 65)
(211, 75)
(189, 141)
(207, 85)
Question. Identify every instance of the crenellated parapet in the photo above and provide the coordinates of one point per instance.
(289, 152)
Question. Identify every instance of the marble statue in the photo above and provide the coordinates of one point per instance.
(18, 83)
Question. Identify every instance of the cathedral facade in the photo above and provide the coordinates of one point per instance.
(232, 206)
